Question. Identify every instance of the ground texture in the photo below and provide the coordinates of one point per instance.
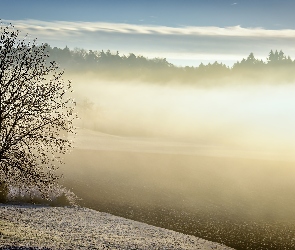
(39, 227)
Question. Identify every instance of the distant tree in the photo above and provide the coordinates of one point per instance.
(250, 63)
(278, 58)
(78, 58)
(131, 65)
(131, 60)
(36, 113)
(251, 60)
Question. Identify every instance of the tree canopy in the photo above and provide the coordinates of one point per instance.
(277, 66)
(36, 113)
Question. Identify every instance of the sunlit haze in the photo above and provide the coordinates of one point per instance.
(207, 150)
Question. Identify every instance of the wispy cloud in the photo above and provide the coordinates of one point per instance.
(174, 43)
(62, 26)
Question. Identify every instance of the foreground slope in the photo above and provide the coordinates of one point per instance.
(82, 228)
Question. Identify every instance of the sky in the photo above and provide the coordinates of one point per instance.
(186, 32)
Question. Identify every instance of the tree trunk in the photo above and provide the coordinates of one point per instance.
(3, 192)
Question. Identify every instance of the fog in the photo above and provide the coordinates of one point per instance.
(253, 117)
(215, 162)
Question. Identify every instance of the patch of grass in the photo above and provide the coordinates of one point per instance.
(11, 233)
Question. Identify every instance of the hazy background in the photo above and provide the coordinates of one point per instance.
(214, 162)
(257, 117)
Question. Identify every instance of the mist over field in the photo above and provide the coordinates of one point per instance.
(256, 117)
(214, 162)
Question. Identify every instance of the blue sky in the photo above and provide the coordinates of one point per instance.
(183, 31)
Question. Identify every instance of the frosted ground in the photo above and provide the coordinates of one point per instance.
(82, 228)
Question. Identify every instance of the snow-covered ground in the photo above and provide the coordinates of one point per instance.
(81, 228)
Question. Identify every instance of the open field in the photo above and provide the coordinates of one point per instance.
(240, 198)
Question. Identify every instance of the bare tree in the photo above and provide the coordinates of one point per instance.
(36, 112)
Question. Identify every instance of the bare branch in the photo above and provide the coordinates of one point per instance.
(35, 112)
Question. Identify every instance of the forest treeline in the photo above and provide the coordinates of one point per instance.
(277, 67)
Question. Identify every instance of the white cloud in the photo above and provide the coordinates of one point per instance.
(150, 29)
